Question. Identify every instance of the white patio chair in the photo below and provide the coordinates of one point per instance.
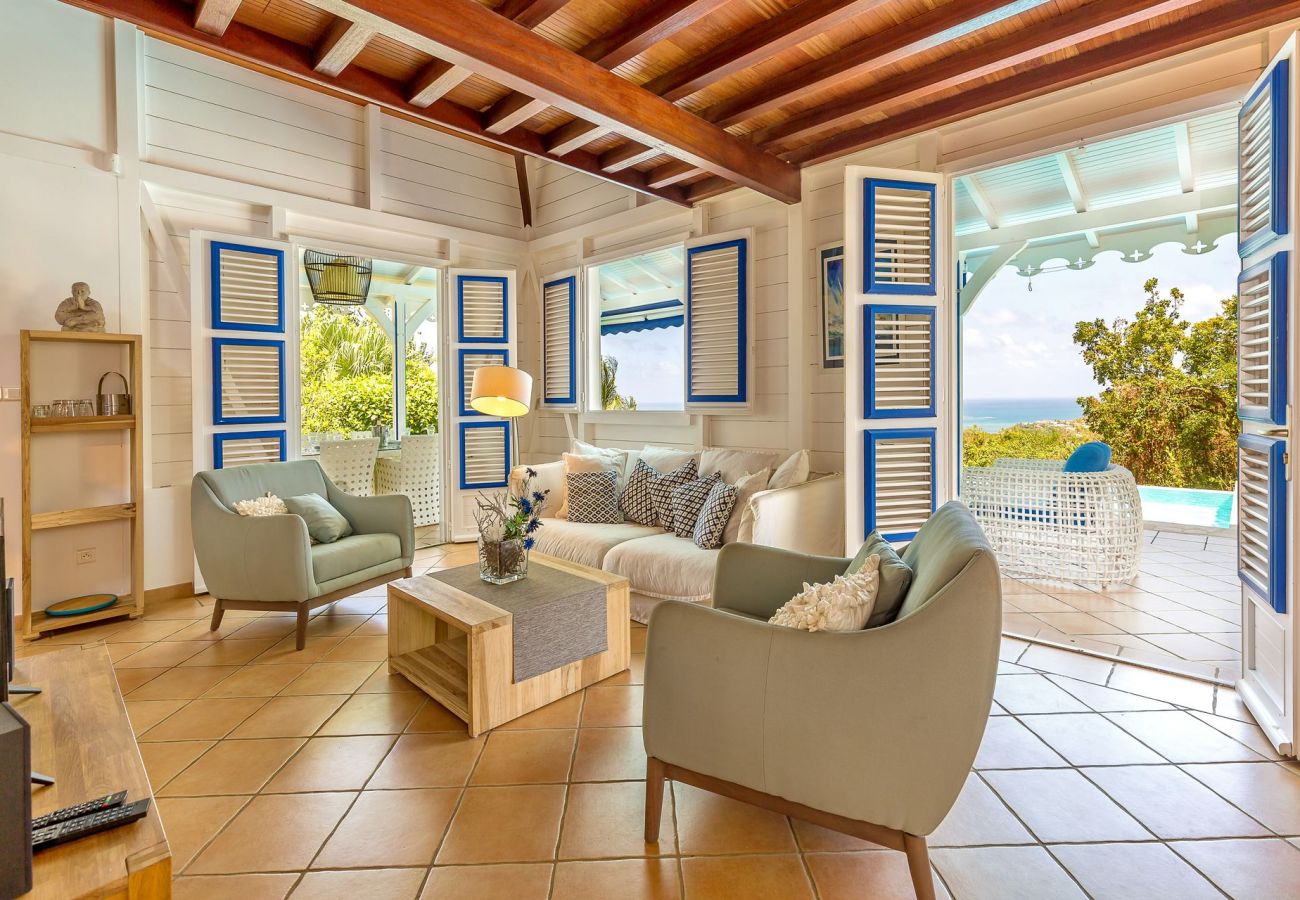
(1067, 526)
(351, 464)
(415, 473)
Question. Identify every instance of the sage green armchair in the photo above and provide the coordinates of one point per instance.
(870, 733)
(269, 562)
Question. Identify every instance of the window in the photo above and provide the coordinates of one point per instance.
(639, 303)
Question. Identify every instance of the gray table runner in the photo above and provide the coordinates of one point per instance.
(558, 617)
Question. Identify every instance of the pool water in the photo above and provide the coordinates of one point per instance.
(1188, 506)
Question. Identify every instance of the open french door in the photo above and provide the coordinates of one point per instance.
(1267, 380)
(899, 345)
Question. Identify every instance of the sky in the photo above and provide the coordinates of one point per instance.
(649, 366)
(1017, 343)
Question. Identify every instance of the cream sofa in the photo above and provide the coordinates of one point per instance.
(806, 517)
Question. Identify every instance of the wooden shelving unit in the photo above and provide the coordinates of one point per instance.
(131, 604)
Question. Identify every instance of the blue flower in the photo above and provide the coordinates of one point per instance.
(529, 543)
(533, 525)
(526, 505)
(530, 472)
(538, 496)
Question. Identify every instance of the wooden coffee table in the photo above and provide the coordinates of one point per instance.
(459, 649)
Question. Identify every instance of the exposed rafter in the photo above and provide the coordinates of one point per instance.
(573, 136)
(626, 156)
(670, 173)
(530, 13)
(525, 195)
(1183, 147)
(1073, 184)
(341, 44)
(214, 16)
(982, 202)
(510, 111)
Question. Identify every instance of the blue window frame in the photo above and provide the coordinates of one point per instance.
(742, 322)
(504, 427)
(218, 347)
(571, 284)
(871, 439)
(1275, 591)
(220, 439)
(869, 318)
(466, 338)
(1275, 412)
(466, 377)
(219, 319)
(1276, 85)
(871, 281)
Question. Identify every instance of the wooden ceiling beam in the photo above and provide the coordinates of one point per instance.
(434, 82)
(896, 43)
(671, 173)
(341, 44)
(573, 136)
(171, 20)
(1213, 23)
(627, 156)
(753, 45)
(465, 33)
(1096, 19)
(214, 16)
(530, 13)
(510, 111)
(646, 27)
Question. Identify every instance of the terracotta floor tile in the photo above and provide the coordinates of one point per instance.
(232, 652)
(182, 684)
(609, 754)
(164, 760)
(193, 821)
(505, 824)
(119, 652)
(1172, 804)
(274, 833)
(499, 882)
(360, 605)
(1266, 791)
(234, 767)
(140, 630)
(390, 828)
(1033, 694)
(633, 674)
(1008, 744)
(289, 717)
(375, 625)
(1090, 739)
(363, 648)
(709, 823)
(204, 720)
(812, 838)
(614, 705)
(145, 714)
(1133, 871)
(525, 757)
(1004, 873)
(627, 879)
(382, 682)
(267, 627)
(563, 713)
(752, 877)
(1061, 805)
(326, 624)
(177, 608)
(1077, 623)
(332, 764)
(223, 887)
(442, 759)
(1247, 733)
(607, 820)
(1103, 699)
(285, 651)
(434, 717)
(129, 680)
(1246, 870)
(878, 874)
(255, 681)
(330, 678)
(1181, 738)
(1188, 646)
(201, 630)
(374, 713)
(979, 817)
(390, 884)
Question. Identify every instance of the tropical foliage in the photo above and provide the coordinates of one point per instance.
(610, 398)
(347, 382)
(1035, 440)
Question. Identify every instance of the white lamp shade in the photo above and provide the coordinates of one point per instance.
(502, 391)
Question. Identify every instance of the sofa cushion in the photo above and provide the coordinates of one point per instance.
(662, 487)
(687, 502)
(1094, 456)
(735, 464)
(325, 524)
(664, 565)
(895, 578)
(352, 554)
(636, 502)
(941, 549)
(585, 543)
(593, 497)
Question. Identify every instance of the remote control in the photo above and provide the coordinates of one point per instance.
(103, 820)
(76, 812)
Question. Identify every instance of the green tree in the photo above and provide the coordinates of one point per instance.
(1038, 440)
(610, 398)
(1168, 404)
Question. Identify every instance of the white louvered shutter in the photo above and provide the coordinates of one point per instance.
(483, 304)
(560, 342)
(249, 448)
(1266, 488)
(719, 322)
(899, 354)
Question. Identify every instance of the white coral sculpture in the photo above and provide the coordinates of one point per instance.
(840, 605)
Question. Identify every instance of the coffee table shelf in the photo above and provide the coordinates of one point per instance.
(440, 670)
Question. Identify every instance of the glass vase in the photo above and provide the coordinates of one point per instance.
(501, 562)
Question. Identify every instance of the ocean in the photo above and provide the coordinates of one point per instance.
(996, 413)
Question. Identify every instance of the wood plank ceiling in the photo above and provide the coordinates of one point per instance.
(685, 99)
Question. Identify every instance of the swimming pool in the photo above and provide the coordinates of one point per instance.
(1188, 506)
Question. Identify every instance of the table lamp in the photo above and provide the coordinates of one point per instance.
(505, 392)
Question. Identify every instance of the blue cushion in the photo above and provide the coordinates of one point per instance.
(1093, 456)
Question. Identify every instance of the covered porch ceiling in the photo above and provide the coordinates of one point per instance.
(685, 99)
(1176, 183)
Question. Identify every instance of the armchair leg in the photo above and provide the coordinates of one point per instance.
(918, 863)
(301, 634)
(218, 610)
(654, 798)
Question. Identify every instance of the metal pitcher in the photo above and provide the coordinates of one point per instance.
(113, 404)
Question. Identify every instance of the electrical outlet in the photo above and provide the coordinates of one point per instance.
(85, 555)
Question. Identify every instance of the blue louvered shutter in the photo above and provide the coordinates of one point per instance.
(719, 322)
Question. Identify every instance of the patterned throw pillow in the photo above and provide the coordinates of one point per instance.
(662, 487)
(636, 502)
(593, 497)
(687, 502)
(712, 521)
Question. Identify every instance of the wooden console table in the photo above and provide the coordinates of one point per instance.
(82, 737)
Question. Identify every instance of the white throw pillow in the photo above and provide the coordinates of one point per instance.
(735, 464)
(746, 488)
(550, 477)
(844, 604)
(665, 459)
(616, 458)
(268, 505)
(791, 472)
(574, 462)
